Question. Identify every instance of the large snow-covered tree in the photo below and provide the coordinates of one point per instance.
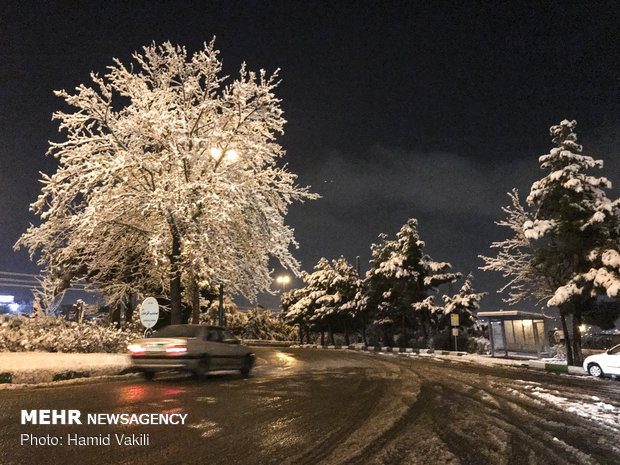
(566, 250)
(577, 226)
(529, 277)
(401, 274)
(168, 180)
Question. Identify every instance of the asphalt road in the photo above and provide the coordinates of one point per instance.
(309, 406)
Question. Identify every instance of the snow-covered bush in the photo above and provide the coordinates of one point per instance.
(264, 324)
(53, 334)
(257, 323)
(558, 351)
(478, 345)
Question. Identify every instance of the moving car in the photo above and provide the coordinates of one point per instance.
(195, 348)
(607, 363)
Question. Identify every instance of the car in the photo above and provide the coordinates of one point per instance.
(607, 363)
(198, 349)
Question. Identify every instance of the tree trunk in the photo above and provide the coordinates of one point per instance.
(330, 334)
(567, 344)
(129, 308)
(195, 293)
(403, 331)
(322, 337)
(424, 329)
(388, 340)
(115, 316)
(364, 330)
(176, 314)
(346, 333)
(577, 355)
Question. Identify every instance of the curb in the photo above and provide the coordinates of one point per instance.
(556, 367)
(534, 364)
(382, 349)
(45, 376)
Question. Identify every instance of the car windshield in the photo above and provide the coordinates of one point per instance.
(615, 350)
(179, 331)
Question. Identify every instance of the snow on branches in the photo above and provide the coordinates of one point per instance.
(401, 273)
(466, 302)
(566, 247)
(165, 172)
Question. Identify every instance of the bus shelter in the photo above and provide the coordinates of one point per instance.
(516, 333)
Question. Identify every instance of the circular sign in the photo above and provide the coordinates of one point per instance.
(149, 312)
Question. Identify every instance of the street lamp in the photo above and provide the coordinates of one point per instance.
(230, 156)
(283, 281)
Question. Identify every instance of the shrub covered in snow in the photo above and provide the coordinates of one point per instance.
(558, 351)
(479, 345)
(53, 334)
(257, 323)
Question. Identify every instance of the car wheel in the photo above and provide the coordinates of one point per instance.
(595, 370)
(148, 374)
(202, 369)
(246, 368)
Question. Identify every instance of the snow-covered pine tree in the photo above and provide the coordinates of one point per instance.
(465, 304)
(331, 299)
(297, 308)
(575, 227)
(530, 279)
(166, 179)
(401, 275)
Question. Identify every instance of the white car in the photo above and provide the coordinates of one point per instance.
(607, 363)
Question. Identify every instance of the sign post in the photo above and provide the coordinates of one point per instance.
(149, 314)
(454, 322)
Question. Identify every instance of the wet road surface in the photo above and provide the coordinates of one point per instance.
(310, 406)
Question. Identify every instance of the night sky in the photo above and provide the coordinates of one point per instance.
(429, 110)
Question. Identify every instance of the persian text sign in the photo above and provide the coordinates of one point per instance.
(149, 312)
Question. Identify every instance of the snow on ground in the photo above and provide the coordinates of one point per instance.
(41, 367)
(592, 408)
(26, 361)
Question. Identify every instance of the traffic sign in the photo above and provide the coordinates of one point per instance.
(149, 312)
(454, 319)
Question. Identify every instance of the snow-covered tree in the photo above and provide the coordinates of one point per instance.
(465, 303)
(297, 310)
(530, 277)
(515, 259)
(402, 274)
(333, 296)
(167, 179)
(565, 251)
(576, 227)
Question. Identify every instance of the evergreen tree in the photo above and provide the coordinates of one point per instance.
(566, 250)
(465, 304)
(576, 227)
(402, 274)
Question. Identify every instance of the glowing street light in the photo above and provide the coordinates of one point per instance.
(232, 156)
(283, 281)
